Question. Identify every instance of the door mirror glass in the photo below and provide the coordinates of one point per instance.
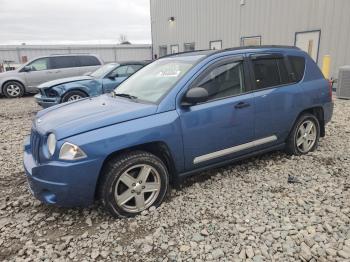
(195, 95)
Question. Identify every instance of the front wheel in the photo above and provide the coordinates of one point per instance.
(73, 95)
(304, 136)
(133, 182)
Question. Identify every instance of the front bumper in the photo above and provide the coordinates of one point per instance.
(45, 101)
(66, 184)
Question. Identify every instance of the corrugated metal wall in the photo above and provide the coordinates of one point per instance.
(277, 21)
(108, 53)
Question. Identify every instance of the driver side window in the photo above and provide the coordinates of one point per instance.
(39, 64)
(119, 72)
(224, 80)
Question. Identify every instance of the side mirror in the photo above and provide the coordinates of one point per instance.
(27, 68)
(112, 76)
(194, 96)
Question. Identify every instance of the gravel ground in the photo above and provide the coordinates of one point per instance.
(246, 211)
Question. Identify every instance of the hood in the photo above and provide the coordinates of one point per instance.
(76, 117)
(64, 81)
(9, 73)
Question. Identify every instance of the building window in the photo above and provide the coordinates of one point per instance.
(174, 49)
(163, 50)
(251, 40)
(188, 47)
(309, 41)
(215, 45)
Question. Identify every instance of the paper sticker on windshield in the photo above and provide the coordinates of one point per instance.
(170, 70)
(169, 73)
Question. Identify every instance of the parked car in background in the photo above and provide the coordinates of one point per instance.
(177, 116)
(103, 80)
(28, 77)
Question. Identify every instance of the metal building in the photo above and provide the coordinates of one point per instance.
(320, 27)
(108, 53)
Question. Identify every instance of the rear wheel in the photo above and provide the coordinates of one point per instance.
(13, 89)
(133, 182)
(304, 136)
(73, 95)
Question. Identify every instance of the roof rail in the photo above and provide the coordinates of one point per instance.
(259, 47)
(233, 49)
(186, 52)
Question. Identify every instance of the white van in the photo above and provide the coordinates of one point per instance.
(26, 78)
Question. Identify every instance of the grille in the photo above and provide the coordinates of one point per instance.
(35, 143)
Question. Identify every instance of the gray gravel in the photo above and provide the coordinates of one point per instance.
(246, 211)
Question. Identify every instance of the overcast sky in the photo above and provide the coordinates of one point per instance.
(74, 21)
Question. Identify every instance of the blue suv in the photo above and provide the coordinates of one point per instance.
(177, 116)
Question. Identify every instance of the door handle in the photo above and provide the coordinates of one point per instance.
(242, 105)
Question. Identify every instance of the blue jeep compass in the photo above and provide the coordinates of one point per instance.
(178, 115)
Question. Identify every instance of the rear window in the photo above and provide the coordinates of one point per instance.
(270, 72)
(298, 67)
(89, 61)
(63, 62)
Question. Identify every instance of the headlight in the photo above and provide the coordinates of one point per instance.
(71, 152)
(51, 143)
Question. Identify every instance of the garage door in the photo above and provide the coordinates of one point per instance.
(309, 42)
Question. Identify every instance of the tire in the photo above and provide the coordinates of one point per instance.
(73, 95)
(123, 184)
(13, 89)
(300, 141)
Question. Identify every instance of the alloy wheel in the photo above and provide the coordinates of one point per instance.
(137, 188)
(74, 97)
(13, 90)
(306, 136)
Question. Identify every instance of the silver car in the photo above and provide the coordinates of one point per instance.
(26, 78)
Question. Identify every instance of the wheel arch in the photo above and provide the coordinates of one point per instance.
(157, 148)
(318, 112)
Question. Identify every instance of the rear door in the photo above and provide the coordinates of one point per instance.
(275, 95)
(64, 66)
(223, 126)
(88, 64)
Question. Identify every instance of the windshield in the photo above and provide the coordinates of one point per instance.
(153, 81)
(102, 70)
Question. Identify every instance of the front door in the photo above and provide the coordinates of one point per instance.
(39, 72)
(224, 125)
(114, 78)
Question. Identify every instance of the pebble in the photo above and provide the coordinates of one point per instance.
(242, 212)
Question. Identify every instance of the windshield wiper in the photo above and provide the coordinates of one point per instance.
(125, 95)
